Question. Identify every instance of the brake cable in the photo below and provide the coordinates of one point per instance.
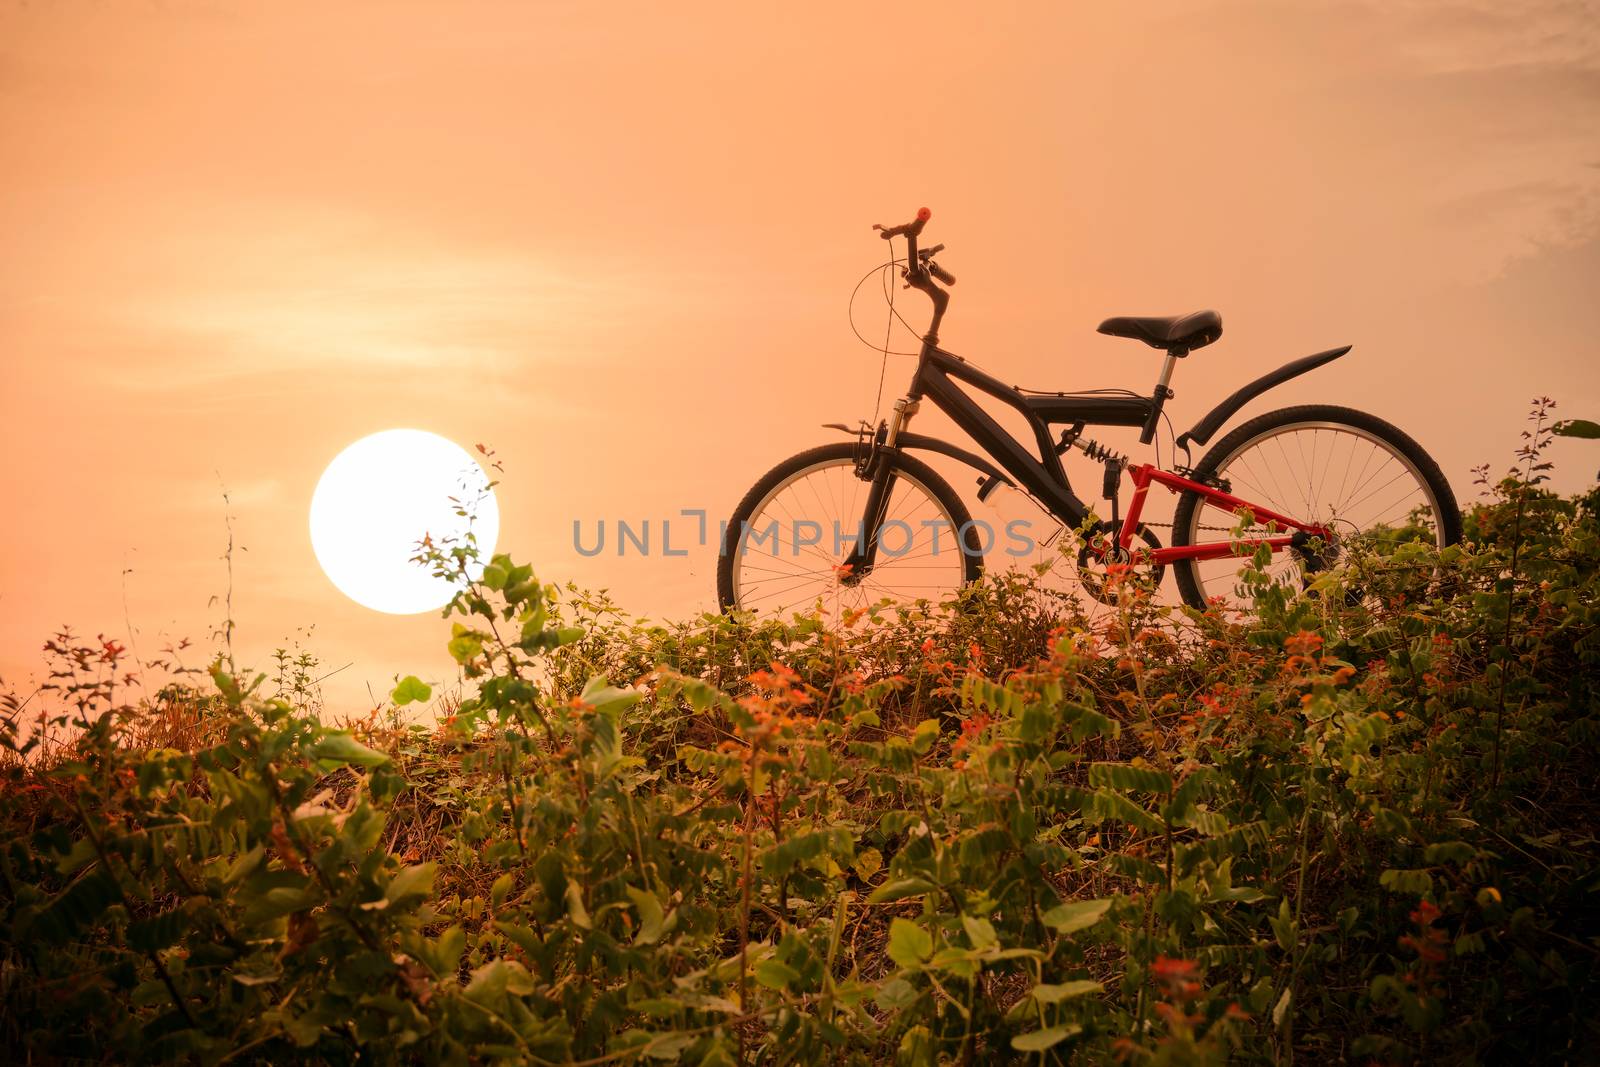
(888, 331)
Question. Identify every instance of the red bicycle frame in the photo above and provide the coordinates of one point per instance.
(1146, 473)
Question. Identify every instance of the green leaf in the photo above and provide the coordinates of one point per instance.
(896, 994)
(1416, 882)
(658, 1007)
(465, 645)
(1576, 428)
(980, 932)
(278, 902)
(522, 936)
(304, 1030)
(413, 881)
(1284, 927)
(899, 889)
(502, 888)
(521, 586)
(575, 908)
(1039, 1040)
(961, 962)
(916, 1048)
(909, 944)
(258, 979)
(1077, 915)
(1055, 994)
(606, 698)
(242, 866)
(497, 978)
(923, 737)
(868, 862)
(1458, 852)
(651, 916)
(668, 1045)
(1125, 776)
(342, 748)
(1108, 805)
(1281, 1009)
(159, 931)
(81, 855)
(718, 1054)
(775, 974)
(701, 695)
(448, 950)
(410, 690)
(1086, 722)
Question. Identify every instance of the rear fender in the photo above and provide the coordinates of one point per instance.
(1207, 427)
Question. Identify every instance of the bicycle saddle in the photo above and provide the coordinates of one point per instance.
(1185, 332)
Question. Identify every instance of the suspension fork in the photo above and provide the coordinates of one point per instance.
(859, 563)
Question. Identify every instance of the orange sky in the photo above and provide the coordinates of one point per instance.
(615, 243)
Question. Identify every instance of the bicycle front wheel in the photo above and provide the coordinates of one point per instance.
(784, 548)
(1354, 473)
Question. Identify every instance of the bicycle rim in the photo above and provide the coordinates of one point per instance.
(1348, 478)
(790, 553)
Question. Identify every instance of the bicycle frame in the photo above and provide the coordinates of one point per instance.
(1044, 477)
(1146, 473)
(937, 376)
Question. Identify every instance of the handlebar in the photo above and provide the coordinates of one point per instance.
(920, 269)
(919, 265)
(909, 229)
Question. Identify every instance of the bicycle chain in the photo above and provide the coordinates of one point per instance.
(1168, 526)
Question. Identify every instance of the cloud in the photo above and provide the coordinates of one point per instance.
(283, 292)
(441, 314)
(1503, 99)
(1479, 35)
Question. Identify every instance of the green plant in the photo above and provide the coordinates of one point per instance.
(1002, 832)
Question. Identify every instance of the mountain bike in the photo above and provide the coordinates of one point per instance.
(863, 521)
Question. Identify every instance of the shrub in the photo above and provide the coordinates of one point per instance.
(1356, 823)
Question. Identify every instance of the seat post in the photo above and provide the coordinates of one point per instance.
(1162, 393)
(1163, 386)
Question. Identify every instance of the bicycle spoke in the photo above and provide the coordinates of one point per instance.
(1339, 476)
(793, 572)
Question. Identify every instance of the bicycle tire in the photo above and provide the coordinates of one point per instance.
(1238, 441)
(916, 471)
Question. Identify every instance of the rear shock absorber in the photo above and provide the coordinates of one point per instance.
(1096, 451)
(1116, 463)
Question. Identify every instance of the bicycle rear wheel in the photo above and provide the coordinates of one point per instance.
(1355, 473)
(785, 544)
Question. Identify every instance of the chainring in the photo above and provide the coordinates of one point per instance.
(1091, 566)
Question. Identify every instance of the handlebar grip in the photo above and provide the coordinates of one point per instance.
(910, 229)
(942, 274)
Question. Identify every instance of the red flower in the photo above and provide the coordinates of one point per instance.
(971, 727)
(1178, 978)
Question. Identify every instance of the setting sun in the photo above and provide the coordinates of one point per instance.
(376, 502)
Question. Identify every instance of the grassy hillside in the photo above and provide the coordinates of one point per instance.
(1356, 826)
